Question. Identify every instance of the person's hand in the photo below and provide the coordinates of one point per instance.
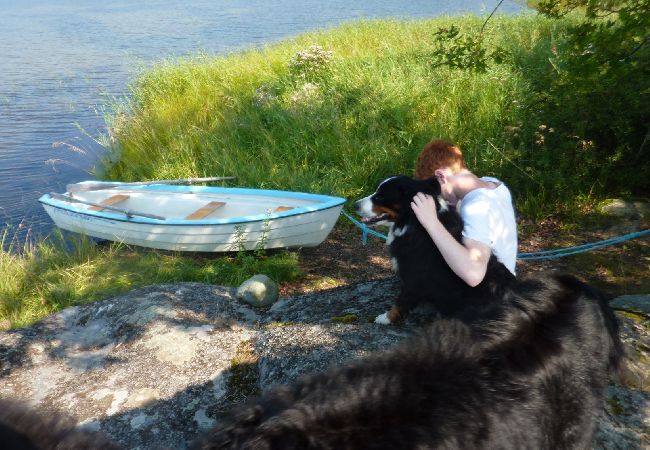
(424, 207)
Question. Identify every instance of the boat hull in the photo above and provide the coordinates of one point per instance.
(302, 227)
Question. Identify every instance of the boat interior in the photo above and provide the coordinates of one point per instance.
(187, 206)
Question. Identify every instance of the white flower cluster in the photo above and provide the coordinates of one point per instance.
(308, 93)
(263, 96)
(310, 61)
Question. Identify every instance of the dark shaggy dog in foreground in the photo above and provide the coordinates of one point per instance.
(424, 275)
(529, 374)
(23, 429)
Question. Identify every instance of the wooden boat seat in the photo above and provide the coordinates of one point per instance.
(282, 208)
(110, 201)
(205, 211)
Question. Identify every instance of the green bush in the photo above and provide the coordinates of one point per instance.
(599, 92)
(584, 122)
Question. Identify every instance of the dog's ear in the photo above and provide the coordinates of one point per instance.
(434, 185)
(429, 186)
(408, 187)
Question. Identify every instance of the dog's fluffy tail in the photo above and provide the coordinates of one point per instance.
(536, 312)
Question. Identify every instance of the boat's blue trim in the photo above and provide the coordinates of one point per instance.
(324, 202)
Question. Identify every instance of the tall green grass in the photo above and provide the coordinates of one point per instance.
(339, 126)
(70, 270)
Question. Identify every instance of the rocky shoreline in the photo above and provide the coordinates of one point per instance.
(155, 367)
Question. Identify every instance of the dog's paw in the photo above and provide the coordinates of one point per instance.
(383, 319)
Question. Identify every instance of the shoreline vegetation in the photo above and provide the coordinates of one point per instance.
(327, 112)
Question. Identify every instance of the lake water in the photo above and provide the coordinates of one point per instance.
(60, 60)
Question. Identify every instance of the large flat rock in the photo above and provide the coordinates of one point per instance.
(154, 368)
(144, 368)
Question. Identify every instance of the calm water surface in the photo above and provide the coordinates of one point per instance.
(60, 60)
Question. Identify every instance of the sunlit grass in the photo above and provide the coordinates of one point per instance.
(64, 271)
(340, 125)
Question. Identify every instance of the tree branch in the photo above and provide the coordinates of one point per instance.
(638, 47)
(490, 16)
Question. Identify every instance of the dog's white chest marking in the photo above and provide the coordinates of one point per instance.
(444, 206)
(394, 232)
(400, 231)
(393, 265)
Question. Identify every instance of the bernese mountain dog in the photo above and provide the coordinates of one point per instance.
(424, 275)
(530, 374)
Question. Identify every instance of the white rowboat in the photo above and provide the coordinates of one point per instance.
(195, 218)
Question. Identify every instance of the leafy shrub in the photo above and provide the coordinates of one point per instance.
(599, 92)
(585, 126)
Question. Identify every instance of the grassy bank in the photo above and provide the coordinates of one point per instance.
(338, 117)
(329, 112)
(69, 270)
(336, 111)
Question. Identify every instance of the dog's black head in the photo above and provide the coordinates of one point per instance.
(391, 202)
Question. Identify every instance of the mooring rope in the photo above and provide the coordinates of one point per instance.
(560, 252)
(365, 231)
(527, 256)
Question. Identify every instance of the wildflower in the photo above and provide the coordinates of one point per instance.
(263, 96)
(308, 92)
(310, 62)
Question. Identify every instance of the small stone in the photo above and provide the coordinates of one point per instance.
(259, 290)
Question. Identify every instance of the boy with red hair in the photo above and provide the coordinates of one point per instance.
(485, 205)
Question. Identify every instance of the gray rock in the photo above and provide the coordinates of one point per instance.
(259, 290)
(635, 334)
(313, 332)
(153, 368)
(626, 209)
(636, 303)
(149, 369)
(624, 424)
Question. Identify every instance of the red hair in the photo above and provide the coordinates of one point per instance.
(438, 154)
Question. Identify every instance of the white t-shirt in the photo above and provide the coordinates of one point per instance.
(490, 218)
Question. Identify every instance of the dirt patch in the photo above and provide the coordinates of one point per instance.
(618, 269)
(339, 261)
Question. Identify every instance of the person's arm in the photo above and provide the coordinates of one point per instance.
(468, 260)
